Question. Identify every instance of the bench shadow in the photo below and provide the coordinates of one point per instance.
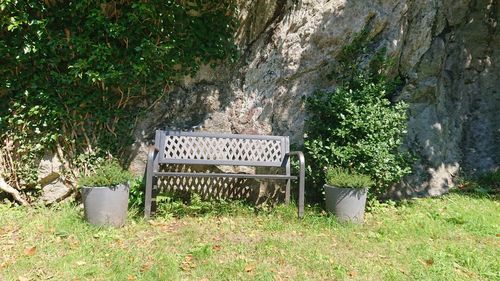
(253, 191)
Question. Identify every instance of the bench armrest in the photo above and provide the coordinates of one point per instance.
(152, 154)
(300, 155)
(302, 175)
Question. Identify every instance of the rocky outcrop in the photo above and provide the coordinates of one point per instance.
(50, 178)
(454, 95)
(448, 52)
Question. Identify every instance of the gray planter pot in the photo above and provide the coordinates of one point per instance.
(106, 206)
(348, 204)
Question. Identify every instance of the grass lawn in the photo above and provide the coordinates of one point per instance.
(455, 237)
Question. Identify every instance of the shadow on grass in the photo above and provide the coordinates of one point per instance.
(181, 205)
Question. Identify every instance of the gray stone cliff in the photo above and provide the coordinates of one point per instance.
(448, 51)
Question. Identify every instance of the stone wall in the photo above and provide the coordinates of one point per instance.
(448, 51)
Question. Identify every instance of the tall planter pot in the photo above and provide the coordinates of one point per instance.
(348, 204)
(106, 206)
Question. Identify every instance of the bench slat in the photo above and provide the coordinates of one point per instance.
(221, 162)
(222, 175)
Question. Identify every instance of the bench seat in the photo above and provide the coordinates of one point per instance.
(226, 175)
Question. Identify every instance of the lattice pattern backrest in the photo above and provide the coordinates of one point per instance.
(224, 149)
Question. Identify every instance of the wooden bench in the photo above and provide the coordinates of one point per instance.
(202, 148)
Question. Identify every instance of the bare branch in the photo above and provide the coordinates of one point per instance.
(4, 186)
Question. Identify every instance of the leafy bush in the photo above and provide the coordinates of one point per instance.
(343, 178)
(137, 195)
(487, 184)
(356, 126)
(491, 179)
(75, 75)
(110, 173)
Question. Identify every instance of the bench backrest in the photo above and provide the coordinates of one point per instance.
(178, 147)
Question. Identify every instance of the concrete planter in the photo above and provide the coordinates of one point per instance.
(106, 206)
(348, 204)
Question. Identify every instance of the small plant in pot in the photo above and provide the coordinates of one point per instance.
(345, 194)
(105, 194)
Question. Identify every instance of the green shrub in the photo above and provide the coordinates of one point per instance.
(487, 184)
(343, 178)
(76, 75)
(356, 126)
(137, 195)
(491, 179)
(110, 173)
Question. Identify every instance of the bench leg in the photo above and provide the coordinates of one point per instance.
(148, 196)
(287, 192)
(302, 178)
(149, 183)
(301, 193)
(154, 202)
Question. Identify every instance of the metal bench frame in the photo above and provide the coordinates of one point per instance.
(202, 148)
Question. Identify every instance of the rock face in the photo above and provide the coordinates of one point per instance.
(54, 188)
(454, 95)
(448, 51)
